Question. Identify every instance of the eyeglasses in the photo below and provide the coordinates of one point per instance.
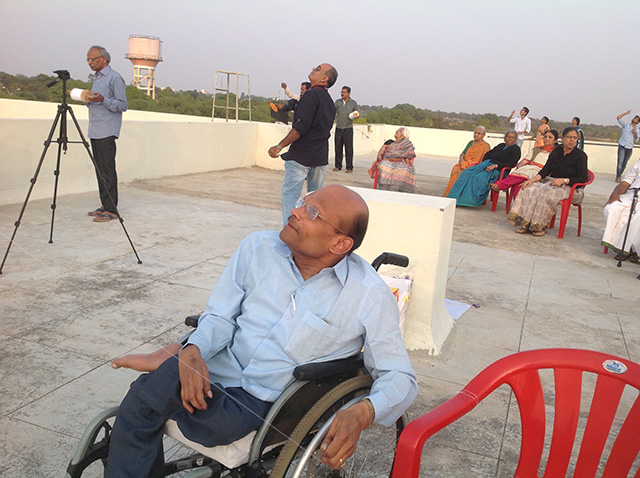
(312, 213)
(319, 68)
(89, 60)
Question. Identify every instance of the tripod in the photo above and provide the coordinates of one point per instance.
(63, 141)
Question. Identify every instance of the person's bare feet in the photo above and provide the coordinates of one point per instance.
(147, 362)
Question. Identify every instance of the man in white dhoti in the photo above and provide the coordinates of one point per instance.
(616, 214)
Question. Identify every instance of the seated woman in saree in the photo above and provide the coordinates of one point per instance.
(528, 167)
(538, 200)
(472, 186)
(472, 155)
(394, 164)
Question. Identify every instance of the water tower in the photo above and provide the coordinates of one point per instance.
(145, 53)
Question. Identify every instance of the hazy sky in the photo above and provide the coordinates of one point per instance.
(560, 58)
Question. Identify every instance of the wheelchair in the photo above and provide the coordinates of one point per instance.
(286, 445)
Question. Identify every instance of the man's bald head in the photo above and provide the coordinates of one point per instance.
(349, 209)
(324, 74)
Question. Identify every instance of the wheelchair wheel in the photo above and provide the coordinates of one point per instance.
(90, 458)
(300, 457)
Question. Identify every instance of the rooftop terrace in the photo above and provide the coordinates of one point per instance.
(72, 306)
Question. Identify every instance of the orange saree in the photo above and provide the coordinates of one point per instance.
(473, 155)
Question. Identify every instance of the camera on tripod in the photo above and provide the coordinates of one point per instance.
(62, 75)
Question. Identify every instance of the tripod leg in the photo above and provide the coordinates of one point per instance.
(33, 182)
(56, 173)
(62, 145)
(100, 178)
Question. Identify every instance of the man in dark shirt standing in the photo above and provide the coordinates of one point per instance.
(308, 155)
(346, 112)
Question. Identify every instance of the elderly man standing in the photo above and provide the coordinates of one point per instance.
(617, 212)
(308, 155)
(106, 103)
(284, 299)
(346, 112)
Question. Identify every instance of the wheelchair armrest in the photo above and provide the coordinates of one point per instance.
(192, 320)
(330, 369)
(390, 258)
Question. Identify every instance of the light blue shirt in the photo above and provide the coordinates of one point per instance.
(626, 138)
(263, 319)
(105, 118)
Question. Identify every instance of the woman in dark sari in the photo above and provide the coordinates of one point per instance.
(538, 200)
(472, 186)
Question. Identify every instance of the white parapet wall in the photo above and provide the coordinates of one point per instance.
(419, 227)
(151, 145)
(154, 145)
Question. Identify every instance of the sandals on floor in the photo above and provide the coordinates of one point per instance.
(539, 233)
(522, 230)
(633, 257)
(98, 211)
(104, 217)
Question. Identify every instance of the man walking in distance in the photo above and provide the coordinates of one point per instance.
(308, 155)
(346, 112)
(106, 103)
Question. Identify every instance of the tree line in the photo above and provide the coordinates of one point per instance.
(197, 103)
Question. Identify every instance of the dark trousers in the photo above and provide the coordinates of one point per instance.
(104, 153)
(344, 137)
(136, 450)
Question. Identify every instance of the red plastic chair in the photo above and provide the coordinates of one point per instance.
(504, 172)
(521, 372)
(566, 206)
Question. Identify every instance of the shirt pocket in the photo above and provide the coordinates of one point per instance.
(312, 338)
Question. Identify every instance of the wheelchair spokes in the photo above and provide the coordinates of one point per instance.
(373, 457)
(180, 460)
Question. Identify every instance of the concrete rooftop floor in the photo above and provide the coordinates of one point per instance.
(70, 307)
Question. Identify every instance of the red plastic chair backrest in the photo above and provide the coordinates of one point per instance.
(590, 179)
(521, 372)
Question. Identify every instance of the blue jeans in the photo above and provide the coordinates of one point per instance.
(294, 176)
(623, 158)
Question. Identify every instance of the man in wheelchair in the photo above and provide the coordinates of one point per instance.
(282, 300)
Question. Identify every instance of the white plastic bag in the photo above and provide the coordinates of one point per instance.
(401, 289)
